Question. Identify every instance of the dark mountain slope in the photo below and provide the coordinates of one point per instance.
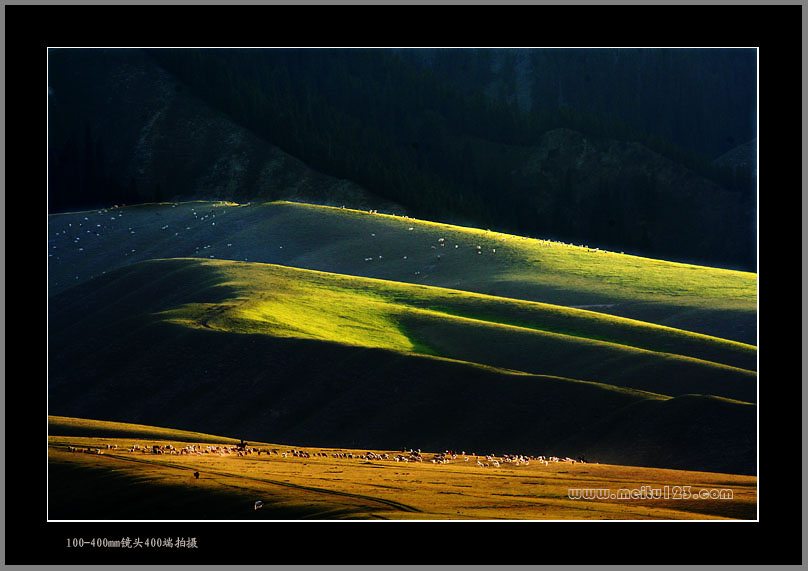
(621, 195)
(123, 130)
(698, 99)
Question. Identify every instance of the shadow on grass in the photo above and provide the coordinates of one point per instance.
(78, 490)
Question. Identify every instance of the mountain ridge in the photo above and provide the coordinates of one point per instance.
(152, 138)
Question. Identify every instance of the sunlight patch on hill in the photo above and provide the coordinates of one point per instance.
(301, 309)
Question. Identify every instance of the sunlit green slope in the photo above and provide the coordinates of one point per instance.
(315, 325)
(711, 301)
(243, 297)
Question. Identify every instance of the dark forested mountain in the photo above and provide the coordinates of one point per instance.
(614, 148)
(702, 100)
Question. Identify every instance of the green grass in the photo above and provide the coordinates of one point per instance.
(711, 301)
(308, 341)
(516, 335)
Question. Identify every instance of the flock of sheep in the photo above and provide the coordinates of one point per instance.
(82, 235)
(445, 457)
(479, 249)
(84, 232)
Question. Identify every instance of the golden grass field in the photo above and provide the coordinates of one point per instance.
(121, 484)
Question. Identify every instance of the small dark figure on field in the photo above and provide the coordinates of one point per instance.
(196, 475)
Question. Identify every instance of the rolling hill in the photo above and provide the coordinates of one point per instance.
(368, 348)
(711, 301)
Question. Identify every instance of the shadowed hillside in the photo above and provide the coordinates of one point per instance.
(162, 343)
(322, 394)
(633, 433)
(242, 297)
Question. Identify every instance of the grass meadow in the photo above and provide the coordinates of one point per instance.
(331, 329)
(712, 301)
(151, 486)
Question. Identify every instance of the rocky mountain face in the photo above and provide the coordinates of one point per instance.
(161, 142)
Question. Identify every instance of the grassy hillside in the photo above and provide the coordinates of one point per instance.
(633, 432)
(327, 326)
(242, 297)
(67, 426)
(122, 484)
(715, 302)
(271, 353)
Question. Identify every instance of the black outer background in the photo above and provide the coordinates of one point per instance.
(777, 30)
